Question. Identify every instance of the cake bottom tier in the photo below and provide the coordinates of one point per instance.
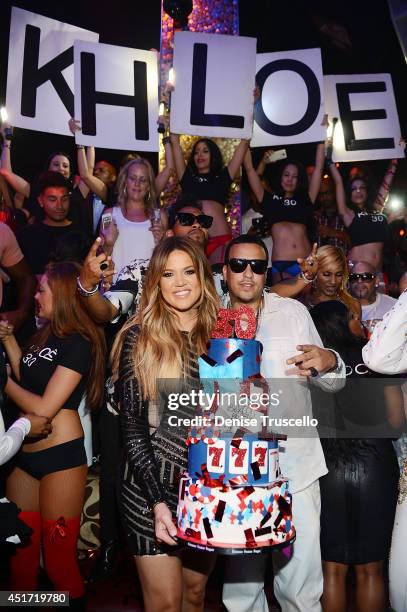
(246, 518)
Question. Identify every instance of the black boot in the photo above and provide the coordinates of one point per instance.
(106, 563)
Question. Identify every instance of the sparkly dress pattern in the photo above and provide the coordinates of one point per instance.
(155, 455)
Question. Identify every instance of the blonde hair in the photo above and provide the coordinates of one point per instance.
(151, 197)
(331, 254)
(161, 350)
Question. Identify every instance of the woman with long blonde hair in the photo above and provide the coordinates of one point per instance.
(161, 344)
(331, 280)
(131, 229)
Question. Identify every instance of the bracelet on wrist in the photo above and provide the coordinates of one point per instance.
(335, 367)
(84, 292)
(80, 146)
(6, 144)
(161, 501)
(305, 278)
(166, 140)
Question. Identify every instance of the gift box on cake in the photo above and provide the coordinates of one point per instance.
(231, 358)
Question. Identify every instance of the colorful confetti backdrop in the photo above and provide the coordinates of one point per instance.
(211, 17)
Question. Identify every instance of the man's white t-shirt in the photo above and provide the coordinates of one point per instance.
(373, 313)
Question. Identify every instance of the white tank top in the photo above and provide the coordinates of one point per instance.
(135, 241)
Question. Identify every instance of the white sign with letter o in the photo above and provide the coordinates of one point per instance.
(290, 109)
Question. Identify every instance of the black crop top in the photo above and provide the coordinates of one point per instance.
(278, 209)
(37, 365)
(368, 227)
(207, 186)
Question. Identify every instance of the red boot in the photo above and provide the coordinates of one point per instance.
(25, 562)
(60, 539)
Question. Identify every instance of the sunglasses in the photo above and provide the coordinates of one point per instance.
(364, 276)
(188, 219)
(237, 264)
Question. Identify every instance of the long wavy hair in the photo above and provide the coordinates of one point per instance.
(161, 350)
(371, 192)
(216, 160)
(329, 254)
(277, 174)
(151, 197)
(331, 319)
(70, 317)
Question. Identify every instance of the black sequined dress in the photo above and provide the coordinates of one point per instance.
(155, 454)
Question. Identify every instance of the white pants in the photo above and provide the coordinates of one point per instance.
(298, 581)
(398, 560)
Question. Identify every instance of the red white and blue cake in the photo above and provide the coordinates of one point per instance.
(233, 497)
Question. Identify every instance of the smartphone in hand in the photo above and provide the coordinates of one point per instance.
(106, 220)
(276, 156)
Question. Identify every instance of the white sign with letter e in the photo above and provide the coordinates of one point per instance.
(368, 125)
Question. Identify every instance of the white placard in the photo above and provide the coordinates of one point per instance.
(116, 97)
(214, 82)
(367, 116)
(41, 49)
(291, 107)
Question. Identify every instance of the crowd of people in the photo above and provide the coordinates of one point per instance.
(103, 292)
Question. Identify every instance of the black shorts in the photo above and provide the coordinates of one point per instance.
(60, 457)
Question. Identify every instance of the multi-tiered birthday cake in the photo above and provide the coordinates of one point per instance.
(233, 496)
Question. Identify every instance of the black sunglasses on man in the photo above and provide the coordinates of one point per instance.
(238, 265)
(188, 219)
